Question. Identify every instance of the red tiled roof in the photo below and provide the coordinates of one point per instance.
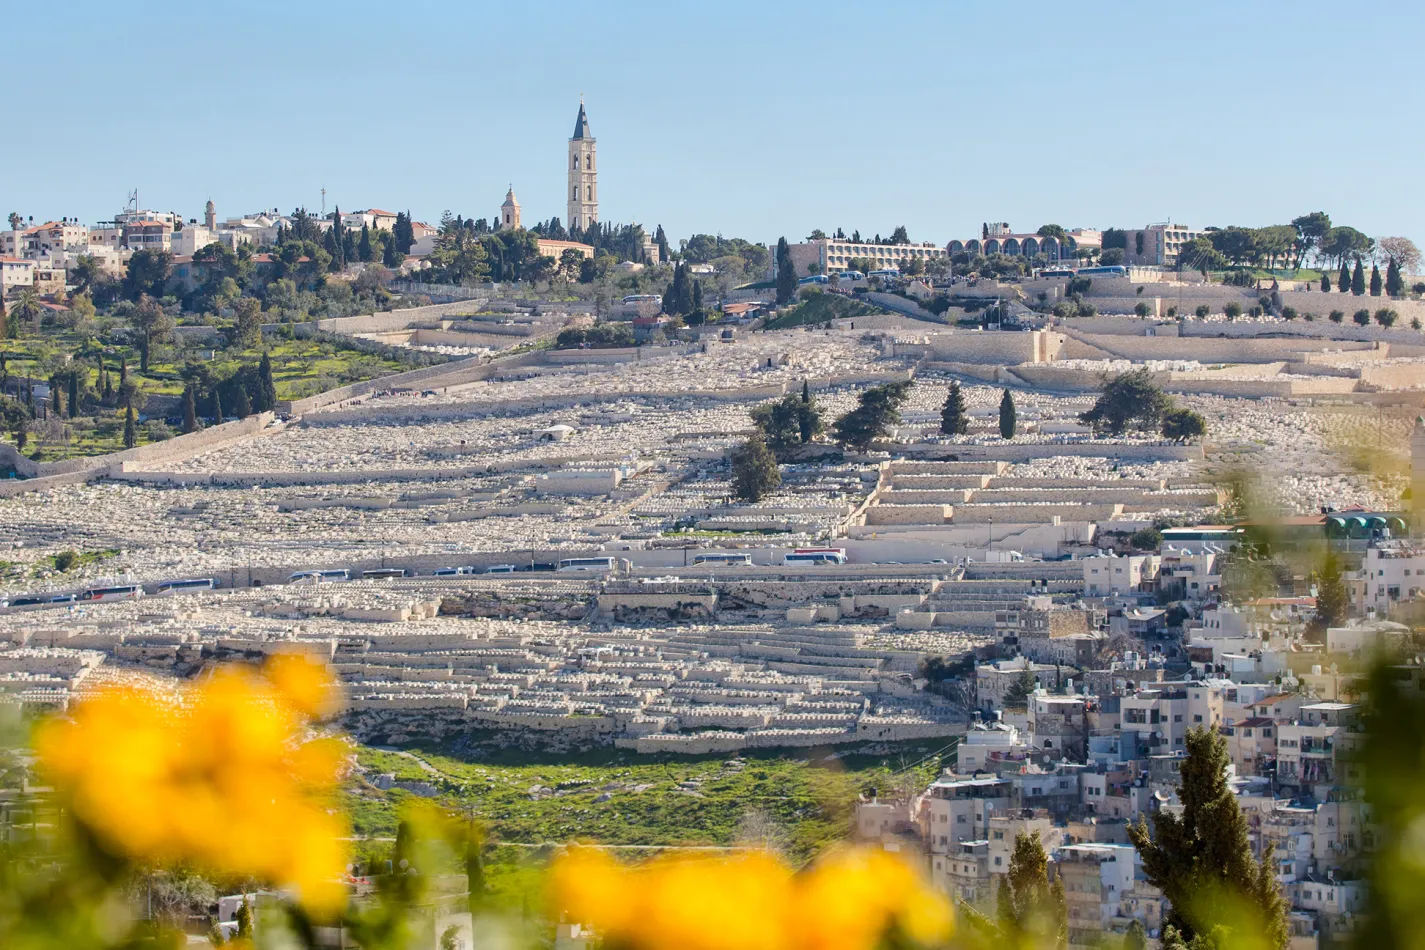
(384, 214)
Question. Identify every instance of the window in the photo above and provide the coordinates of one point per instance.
(576, 161)
(1178, 718)
(575, 195)
(1197, 718)
(959, 819)
(589, 193)
(589, 161)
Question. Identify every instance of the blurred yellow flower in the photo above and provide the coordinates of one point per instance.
(218, 776)
(848, 901)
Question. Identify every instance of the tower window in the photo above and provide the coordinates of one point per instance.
(589, 193)
(575, 159)
(588, 161)
(575, 195)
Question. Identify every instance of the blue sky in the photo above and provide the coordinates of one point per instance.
(750, 119)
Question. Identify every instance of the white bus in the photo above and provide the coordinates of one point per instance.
(120, 592)
(382, 573)
(720, 558)
(885, 272)
(816, 556)
(196, 583)
(587, 564)
(850, 276)
(452, 571)
(644, 298)
(499, 569)
(319, 577)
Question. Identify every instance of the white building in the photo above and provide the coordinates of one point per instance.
(1107, 575)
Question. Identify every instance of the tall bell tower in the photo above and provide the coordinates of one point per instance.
(583, 174)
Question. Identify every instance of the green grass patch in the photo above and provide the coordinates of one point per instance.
(618, 797)
(821, 308)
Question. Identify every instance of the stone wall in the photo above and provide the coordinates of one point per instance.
(72, 471)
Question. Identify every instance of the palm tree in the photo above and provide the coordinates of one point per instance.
(27, 306)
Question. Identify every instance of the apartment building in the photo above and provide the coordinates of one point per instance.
(1157, 245)
(1096, 877)
(1109, 575)
(831, 255)
(954, 810)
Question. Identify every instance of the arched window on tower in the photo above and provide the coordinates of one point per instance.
(575, 159)
(575, 195)
(588, 161)
(588, 192)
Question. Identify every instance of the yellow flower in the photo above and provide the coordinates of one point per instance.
(217, 776)
(749, 902)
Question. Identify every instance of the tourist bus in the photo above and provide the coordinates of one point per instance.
(720, 558)
(382, 574)
(643, 298)
(452, 571)
(118, 592)
(816, 556)
(319, 577)
(1111, 270)
(815, 279)
(1056, 272)
(195, 583)
(850, 276)
(885, 273)
(499, 569)
(586, 564)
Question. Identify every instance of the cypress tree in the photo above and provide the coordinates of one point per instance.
(1008, 418)
(1031, 911)
(190, 411)
(123, 373)
(953, 420)
(108, 385)
(1375, 281)
(391, 255)
(73, 394)
(54, 395)
(131, 432)
(1394, 283)
(363, 249)
(1343, 279)
(243, 406)
(786, 273)
(267, 388)
(1202, 860)
(1358, 279)
(1325, 282)
(806, 392)
(217, 408)
(697, 296)
(348, 245)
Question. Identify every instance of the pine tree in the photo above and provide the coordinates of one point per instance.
(1358, 279)
(786, 273)
(1202, 860)
(217, 408)
(131, 432)
(1008, 418)
(267, 388)
(1394, 283)
(754, 470)
(190, 411)
(953, 418)
(1343, 279)
(1031, 910)
(363, 249)
(243, 404)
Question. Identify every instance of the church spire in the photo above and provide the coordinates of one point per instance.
(581, 124)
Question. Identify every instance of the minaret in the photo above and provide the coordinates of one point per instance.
(510, 211)
(210, 216)
(583, 174)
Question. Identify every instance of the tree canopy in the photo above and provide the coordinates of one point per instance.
(1129, 401)
(754, 470)
(875, 413)
(1202, 860)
